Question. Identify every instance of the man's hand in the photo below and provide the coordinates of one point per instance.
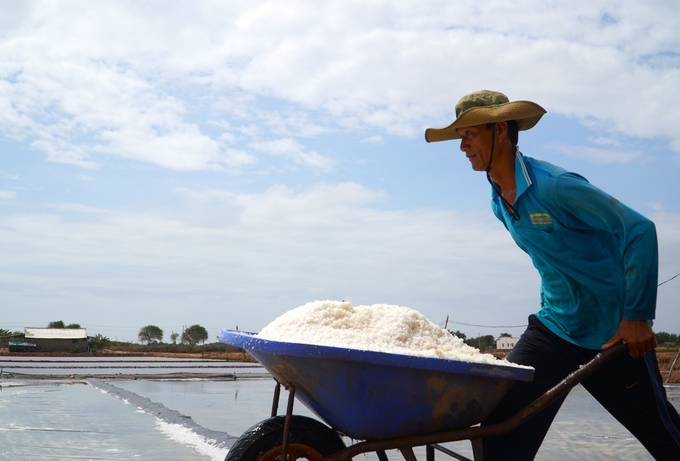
(637, 334)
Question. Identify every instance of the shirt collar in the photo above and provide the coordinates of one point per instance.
(522, 178)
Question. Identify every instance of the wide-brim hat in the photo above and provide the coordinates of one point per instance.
(486, 106)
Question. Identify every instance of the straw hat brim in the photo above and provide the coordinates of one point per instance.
(526, 113)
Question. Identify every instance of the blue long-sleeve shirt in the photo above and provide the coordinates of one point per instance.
(598, 259)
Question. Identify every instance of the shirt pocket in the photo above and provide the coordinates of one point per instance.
(549, 243)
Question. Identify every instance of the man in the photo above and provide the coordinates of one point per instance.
(598, 261)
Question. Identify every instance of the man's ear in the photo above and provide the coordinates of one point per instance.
(501, 130)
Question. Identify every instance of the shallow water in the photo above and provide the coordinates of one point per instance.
(582, 428)
(229, 406)
(121, 366)
(61, 420)
(53, 421)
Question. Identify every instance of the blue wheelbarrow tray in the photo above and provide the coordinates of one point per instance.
(369, 395)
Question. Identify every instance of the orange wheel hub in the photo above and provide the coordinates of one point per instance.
(295, 451)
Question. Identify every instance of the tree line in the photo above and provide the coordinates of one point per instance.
(149, 334)
(61, 324)
(480, 342)
(667, 339)
(489, 342)
(196, 334)
(192, 335)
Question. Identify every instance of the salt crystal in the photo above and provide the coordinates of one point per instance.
(380, 328)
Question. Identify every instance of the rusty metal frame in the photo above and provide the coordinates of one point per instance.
(475, 434)
(277, 396)
(430, 449)
(286, 425)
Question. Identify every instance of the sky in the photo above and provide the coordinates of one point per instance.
(220, 163)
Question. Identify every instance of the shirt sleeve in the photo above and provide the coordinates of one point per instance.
(636, 235)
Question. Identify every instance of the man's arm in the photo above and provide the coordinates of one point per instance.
(636, 234)
(639, 250)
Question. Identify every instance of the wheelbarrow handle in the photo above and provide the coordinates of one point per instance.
(564, 386)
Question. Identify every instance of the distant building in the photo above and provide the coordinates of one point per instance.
(506, 343)
(57, 339)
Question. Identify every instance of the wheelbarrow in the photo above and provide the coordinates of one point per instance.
(383, 401)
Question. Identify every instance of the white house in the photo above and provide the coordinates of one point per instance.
(57, 339)
(506, 343)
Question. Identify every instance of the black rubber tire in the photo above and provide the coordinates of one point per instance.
(257, 443)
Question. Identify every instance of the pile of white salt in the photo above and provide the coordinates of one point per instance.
(380, 327)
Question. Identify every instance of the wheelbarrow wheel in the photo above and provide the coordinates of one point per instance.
(309, 439)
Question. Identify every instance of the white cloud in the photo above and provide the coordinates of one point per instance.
(7, 194)
(318, 243)
(604, 141)
(377, 139)
(655, 206)
(598, 156)
(246, 258)
(13, 177)
(134, 77)
(290, 149)
(77, 208)
(324, 205)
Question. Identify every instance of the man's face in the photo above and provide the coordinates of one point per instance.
(476, 143)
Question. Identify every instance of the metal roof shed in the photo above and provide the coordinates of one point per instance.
(58, 339)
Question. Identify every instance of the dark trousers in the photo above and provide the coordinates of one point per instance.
(630, 389)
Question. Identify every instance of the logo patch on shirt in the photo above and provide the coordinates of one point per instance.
(540, 218)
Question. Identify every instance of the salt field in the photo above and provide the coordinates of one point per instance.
(198, 418)
(59, 408)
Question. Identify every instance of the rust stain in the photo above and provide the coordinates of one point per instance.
(436, 384)
(441, 394)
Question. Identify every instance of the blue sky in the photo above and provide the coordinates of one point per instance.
(221, 163)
